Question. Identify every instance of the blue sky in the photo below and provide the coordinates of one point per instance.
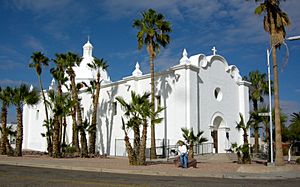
(198, 25)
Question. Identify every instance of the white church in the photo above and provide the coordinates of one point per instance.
(202, 92)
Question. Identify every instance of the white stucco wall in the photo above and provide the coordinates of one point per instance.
(187, 90)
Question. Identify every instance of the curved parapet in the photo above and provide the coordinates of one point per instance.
(204, 62)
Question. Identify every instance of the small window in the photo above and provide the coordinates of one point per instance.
(37, 114)
(218, 94)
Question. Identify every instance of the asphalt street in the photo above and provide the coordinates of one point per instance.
(19, 176)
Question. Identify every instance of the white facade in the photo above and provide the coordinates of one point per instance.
(201, 92)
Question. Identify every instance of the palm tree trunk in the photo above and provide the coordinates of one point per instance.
(256, 138)
(5, 145)
(136, 141)
(19, 138)
(56, 147)
(75, 138)
(49, 142)
(56, 129)
(131, 156)
(83, 141)
(191, 151)
(278, 142)
(256, 133)
(3, 150)
(142, 156)
(245, 136)
(153, 146)
(92, 137)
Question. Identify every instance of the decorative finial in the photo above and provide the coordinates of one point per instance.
(137, 72)
(214, 50)
(137, 65)
(88, 38)
(184, 59)
(184, 53)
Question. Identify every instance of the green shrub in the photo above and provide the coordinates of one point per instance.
(70, 149)
(298, 160)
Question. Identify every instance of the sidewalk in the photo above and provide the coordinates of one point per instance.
(120, 165)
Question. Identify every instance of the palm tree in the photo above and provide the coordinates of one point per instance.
(259, 87)
(58, 73)
(6, 99)
(61, 105)
(22, 95)
(138, 112)
(192, 139)
(132, 113)
(68, 105)
(132, 158)
(38, 60)
(153, 33)
(56, 106)
(245, 148)
(245, 127)
(70, 61)
(10, 132)
(98, 65)
(294, 127)
(275, 21)
(265, 121)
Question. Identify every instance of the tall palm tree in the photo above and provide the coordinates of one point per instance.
(192, 139)
(153, 33)
(259, 87)
(6, 99)
(22, 95)
(97, 65)
(275, 21)
(71, 60)
(58, 73)
(38, 60)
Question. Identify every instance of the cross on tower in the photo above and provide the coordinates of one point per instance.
(214, 50)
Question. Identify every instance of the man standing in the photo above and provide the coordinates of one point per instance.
(182, 150)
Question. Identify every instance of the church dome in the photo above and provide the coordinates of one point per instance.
(83, 72)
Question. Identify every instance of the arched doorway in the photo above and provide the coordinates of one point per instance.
(219, 133)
